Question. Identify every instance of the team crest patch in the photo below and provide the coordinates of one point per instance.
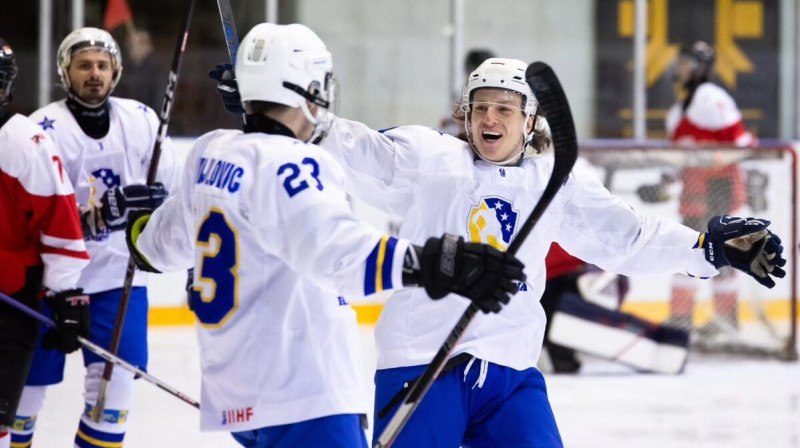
(493, 221)
(109, 180)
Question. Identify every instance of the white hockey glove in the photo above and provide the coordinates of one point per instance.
(745, 244)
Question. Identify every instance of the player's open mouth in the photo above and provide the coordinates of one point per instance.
(491, 136)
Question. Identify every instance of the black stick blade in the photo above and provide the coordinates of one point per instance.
(545, 85)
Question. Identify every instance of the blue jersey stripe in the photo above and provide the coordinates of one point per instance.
(388, 261)
(369, 274)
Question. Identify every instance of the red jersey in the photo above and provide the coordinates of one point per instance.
(39, 223)
(559, 262)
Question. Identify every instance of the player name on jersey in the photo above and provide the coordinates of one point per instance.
(220, 174)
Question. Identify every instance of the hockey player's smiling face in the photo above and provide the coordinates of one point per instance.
(90, 75)
(497, 123)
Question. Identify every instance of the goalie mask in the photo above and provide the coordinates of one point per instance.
(84, 39)
(8, 72)
(508, 75)
(289, 65)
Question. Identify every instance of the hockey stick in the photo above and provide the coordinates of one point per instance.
(99, 351)
(548, 91)
(229, 30)
(166, 108)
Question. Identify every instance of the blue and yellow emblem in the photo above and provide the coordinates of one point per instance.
(493, 221)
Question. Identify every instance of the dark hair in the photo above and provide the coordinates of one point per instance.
(263, 107)
(475, 57)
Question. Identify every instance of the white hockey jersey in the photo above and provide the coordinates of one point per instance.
(39, 224)
(434, 182)
(120, 158)
(277, 250)
(712, 116)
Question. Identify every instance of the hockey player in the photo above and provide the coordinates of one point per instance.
(40, 245)
(105, 144)
(263, 217)
(490, 394)
(706, 113)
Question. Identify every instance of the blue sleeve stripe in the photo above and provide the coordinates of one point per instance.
(378, 275)
(387, 263)
(701, 240)
(369, 274)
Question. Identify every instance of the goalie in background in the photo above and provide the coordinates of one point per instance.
(704, 113)
(582, 305)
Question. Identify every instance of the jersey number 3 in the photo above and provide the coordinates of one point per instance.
(215, 295)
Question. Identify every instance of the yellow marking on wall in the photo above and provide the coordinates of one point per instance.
(748, 20)
(743, 19)
(625, 18)
(659, 53)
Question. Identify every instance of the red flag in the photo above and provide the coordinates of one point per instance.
(117, 13)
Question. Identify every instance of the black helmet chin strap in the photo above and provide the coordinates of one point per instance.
(316, 99)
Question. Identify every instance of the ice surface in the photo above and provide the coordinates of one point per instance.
(715, 403)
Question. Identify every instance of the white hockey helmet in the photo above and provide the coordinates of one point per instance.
(83, 39)
(289, 65)
(507, 74)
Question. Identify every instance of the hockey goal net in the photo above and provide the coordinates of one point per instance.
(733, 313)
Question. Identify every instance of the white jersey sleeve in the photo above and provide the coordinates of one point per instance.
(167, 242)
(384, 167)
(602, 229)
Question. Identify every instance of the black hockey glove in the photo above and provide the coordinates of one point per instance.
(745, 244)
(476, 271)
(136, 224)
(227, 88)
(71, 314)
(120, 202)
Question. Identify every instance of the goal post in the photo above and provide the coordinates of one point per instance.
(733, 313)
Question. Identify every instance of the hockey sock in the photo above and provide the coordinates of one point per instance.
(681, 303)
(110, 431)
(726, 296)
(30, 404)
